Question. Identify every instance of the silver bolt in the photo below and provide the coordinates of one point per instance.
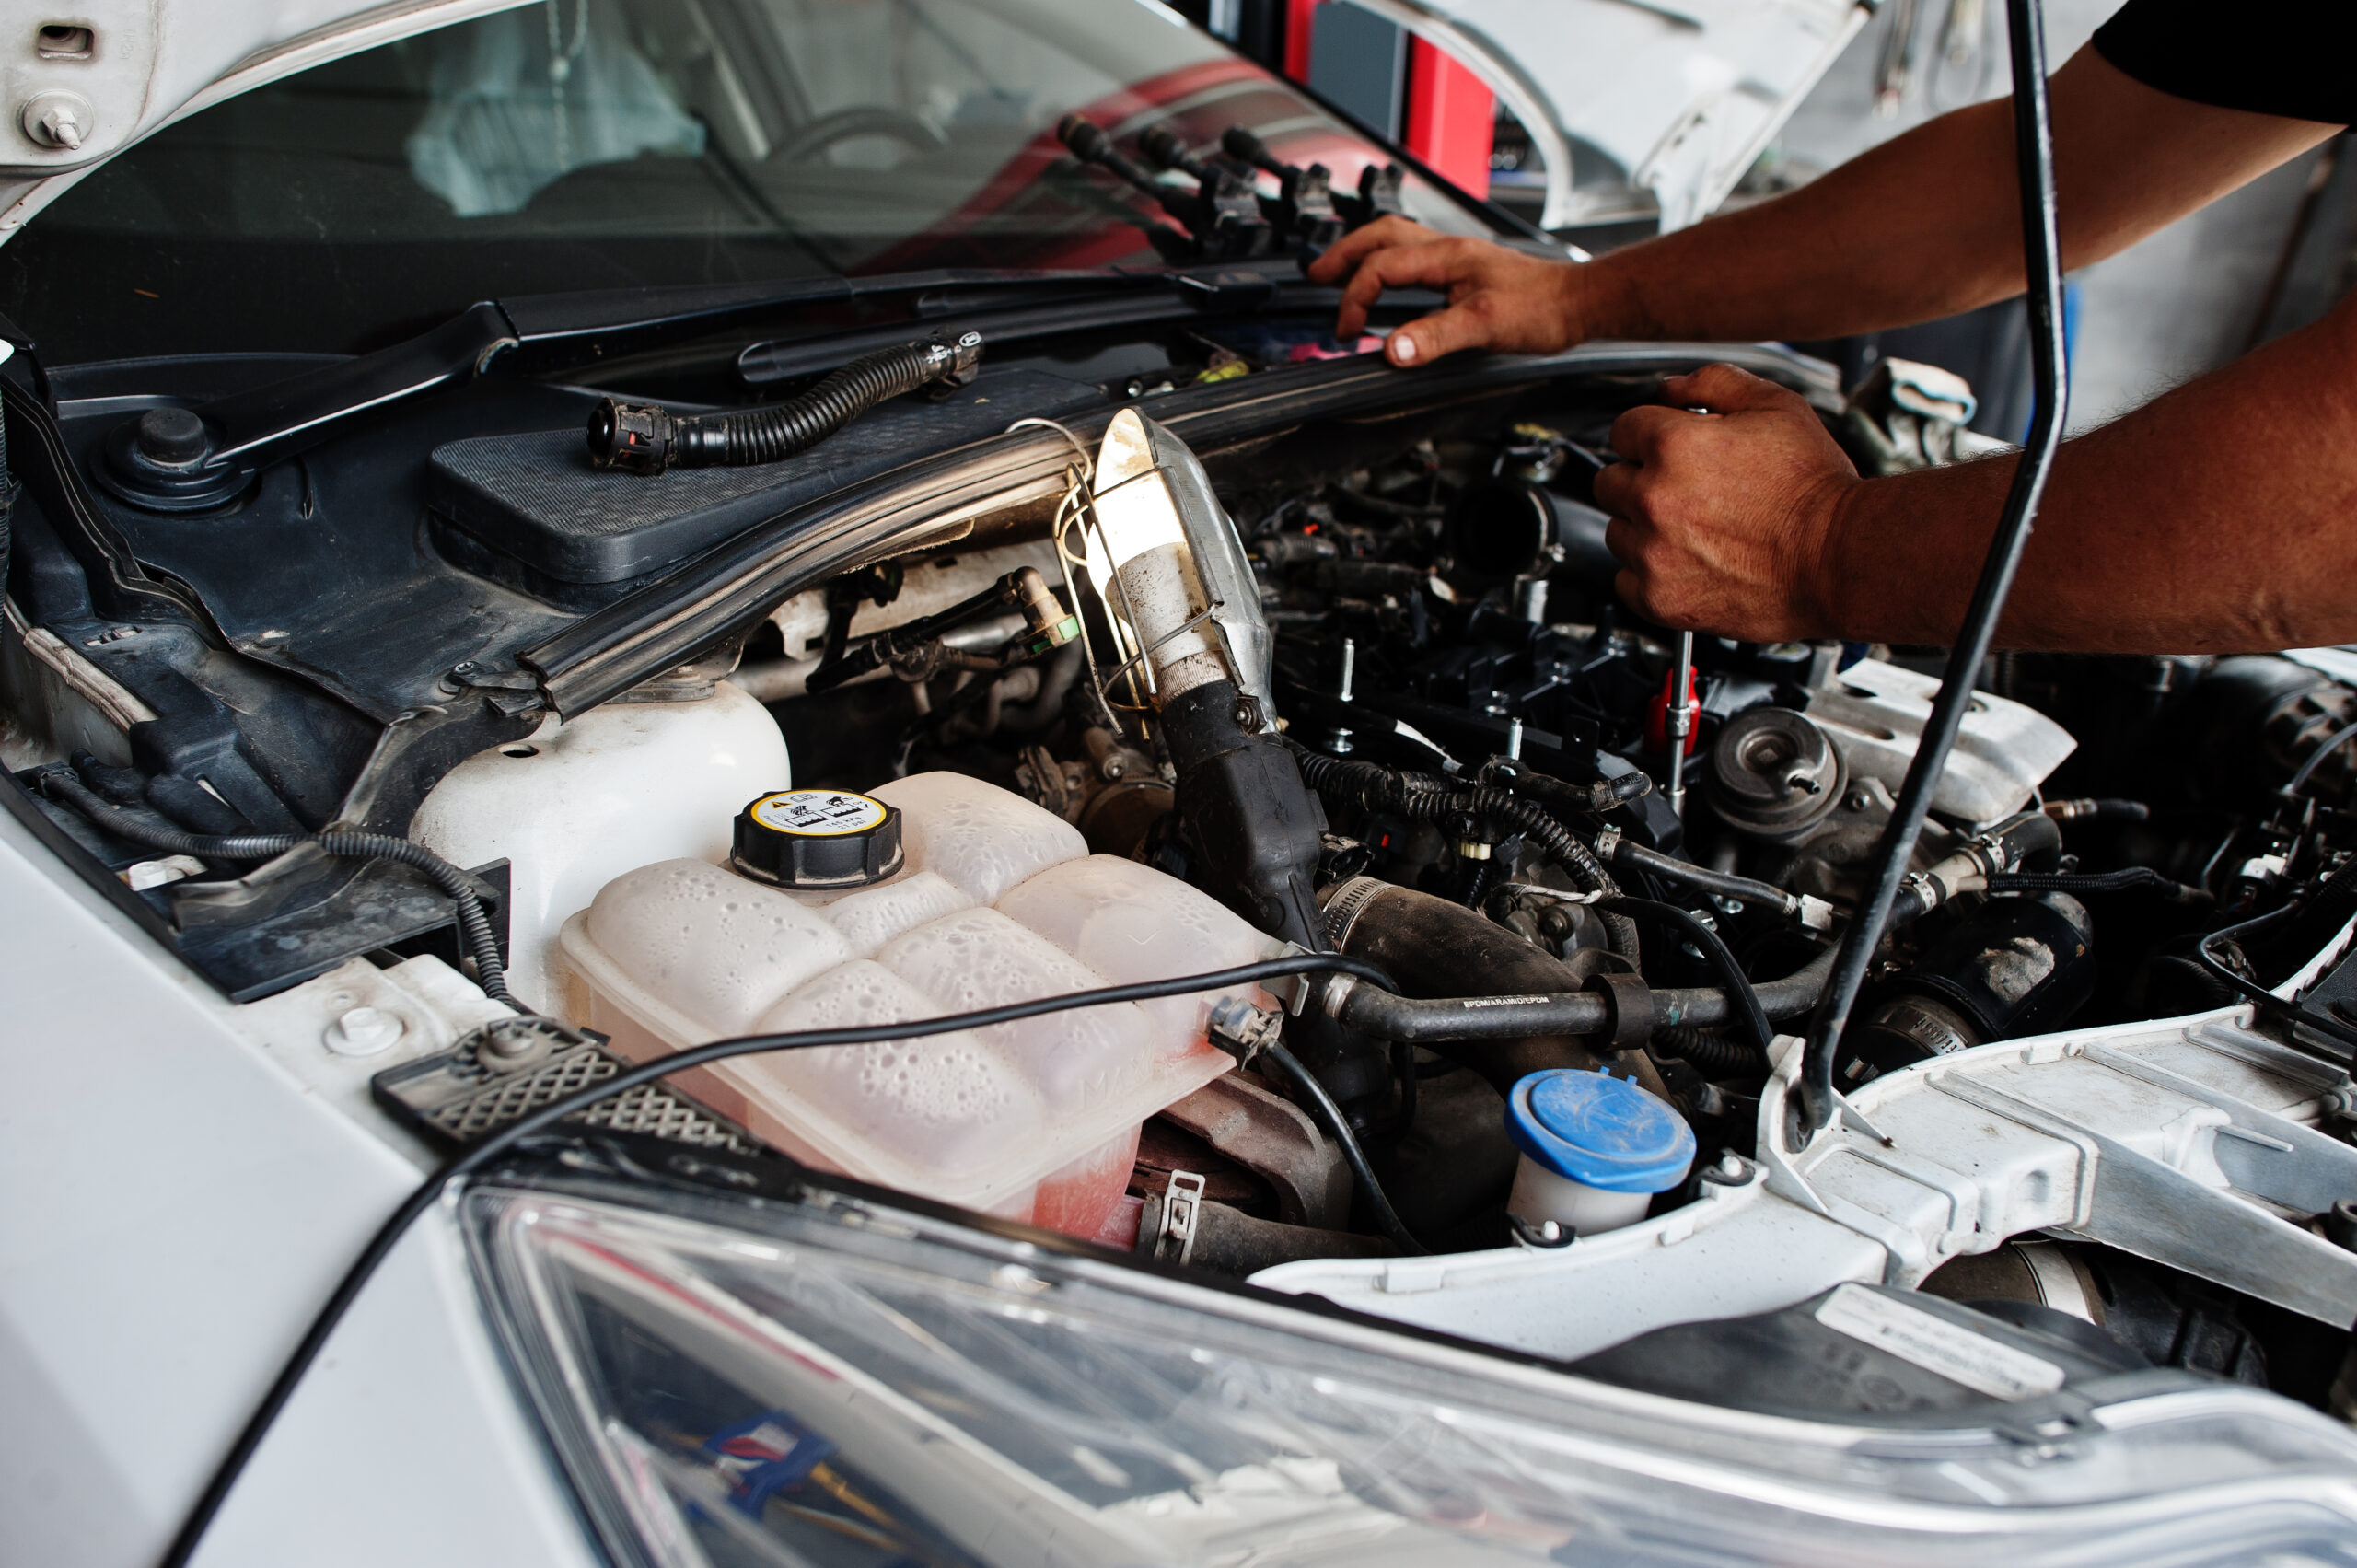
(59, 120)
(1350, 665)
(363, 1031)
(1513, 740)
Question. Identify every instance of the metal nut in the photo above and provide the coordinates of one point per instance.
(58, 119)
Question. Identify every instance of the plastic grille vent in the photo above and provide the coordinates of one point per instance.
(469, 1092)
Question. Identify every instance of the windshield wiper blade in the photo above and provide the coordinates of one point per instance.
(556, 320)
(1022, 314)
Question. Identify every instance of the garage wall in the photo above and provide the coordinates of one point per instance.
(2182, 303)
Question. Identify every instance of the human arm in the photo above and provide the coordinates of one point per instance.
(1926, 224)
(2221, 518)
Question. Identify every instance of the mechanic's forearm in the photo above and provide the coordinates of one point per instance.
(2220, 519)
(1921, 226)
(1929, 224)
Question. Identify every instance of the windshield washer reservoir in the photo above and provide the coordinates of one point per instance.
(1595, 1150)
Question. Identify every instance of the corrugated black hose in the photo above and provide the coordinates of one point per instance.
(1717, 1057)
(1427, 797)
(2130, 878)
(644, 438)
(474, 925)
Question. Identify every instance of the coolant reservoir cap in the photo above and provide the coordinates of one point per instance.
(818, 838)
(1599, 1130)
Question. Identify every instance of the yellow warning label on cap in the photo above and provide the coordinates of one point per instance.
(818, 813)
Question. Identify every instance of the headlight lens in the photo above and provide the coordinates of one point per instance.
(837, 1383)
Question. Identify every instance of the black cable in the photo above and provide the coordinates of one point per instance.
(1385, 1219)
(1403, 1068)
(1741, 995)
(225, 1476)
(1630, 855)
(2129, 879)
(474, 925)
(2034, 149)
(8, 504)
(2108, 808)
(2340, 738)
(2267, 1000)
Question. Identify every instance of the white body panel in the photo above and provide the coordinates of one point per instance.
(175, 1204)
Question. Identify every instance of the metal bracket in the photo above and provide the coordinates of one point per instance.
(1181, 1206)
(512, 692)
(1241, 1029)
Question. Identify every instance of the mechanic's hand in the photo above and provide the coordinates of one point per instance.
(1497, 298)
(1726, 519)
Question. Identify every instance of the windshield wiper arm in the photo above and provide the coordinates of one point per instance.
(179, 459)
(192, 459)
(184, 460)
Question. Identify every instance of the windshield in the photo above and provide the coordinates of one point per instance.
(613, 144)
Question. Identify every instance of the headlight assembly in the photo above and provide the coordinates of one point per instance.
(835, 1382)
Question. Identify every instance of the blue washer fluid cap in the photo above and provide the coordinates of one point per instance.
(1601, 1131)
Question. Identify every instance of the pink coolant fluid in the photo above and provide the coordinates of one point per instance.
(998, 901)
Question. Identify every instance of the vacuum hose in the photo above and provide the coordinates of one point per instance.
(642, 438)
(474, 925)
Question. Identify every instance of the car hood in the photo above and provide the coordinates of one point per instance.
(1682, 94)
(149, 61)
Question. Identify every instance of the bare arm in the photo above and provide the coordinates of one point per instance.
(1921, 226)
(2218, 518)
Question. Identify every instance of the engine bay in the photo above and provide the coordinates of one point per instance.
(1166, 690)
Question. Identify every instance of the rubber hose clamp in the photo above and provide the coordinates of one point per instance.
(1631, 1001)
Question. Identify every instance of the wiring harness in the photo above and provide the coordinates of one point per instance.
(474, 925)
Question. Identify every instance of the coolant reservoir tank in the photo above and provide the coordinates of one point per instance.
(993, 900)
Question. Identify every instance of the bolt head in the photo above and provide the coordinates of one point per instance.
(363, 1031)
(171, 437)
(58, 121)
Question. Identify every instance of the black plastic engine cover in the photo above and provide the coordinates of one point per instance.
(530, 511)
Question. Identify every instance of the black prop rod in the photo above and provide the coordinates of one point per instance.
(2033, 146)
